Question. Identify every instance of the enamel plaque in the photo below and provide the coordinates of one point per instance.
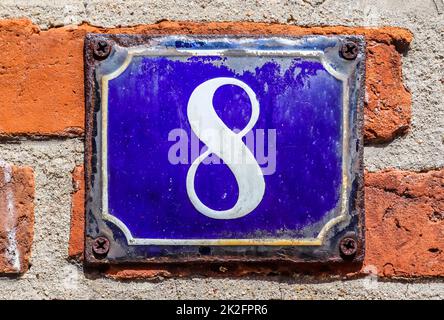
(226, 148)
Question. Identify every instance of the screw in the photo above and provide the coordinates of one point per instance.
(348, 246)
(102, 49)
(100, 246)
(349, 50)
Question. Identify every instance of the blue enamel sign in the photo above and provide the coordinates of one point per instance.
(234, 145)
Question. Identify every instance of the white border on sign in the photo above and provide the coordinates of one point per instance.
(143, 51)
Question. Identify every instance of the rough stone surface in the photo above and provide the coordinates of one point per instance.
(16, 217)
(76, 236)
(54, 59)
(405, 223)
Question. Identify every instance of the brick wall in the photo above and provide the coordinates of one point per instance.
(42, 90)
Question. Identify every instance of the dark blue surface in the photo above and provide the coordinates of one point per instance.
(303, 102)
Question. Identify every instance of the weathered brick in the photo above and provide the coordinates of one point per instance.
(405, 223)
(225, 269)
(404, 236)
(76, 235)
(41, 78)
(388, 102)
(16, 218)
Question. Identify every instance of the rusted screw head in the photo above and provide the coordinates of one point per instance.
(102, 49)
(349, 50)
(348, 246)
(100, 246)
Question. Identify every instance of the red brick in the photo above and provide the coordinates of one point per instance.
(405, 223)
(16, 218)
(388, 102)
(76, 235)
(404, 236)
(41, 81)
(41, 78)
(224, 269)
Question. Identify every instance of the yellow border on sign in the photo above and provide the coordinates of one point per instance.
(140, 51)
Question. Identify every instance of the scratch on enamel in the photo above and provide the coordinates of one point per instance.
(12, 252)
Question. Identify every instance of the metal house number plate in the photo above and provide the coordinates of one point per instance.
(205, 148)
